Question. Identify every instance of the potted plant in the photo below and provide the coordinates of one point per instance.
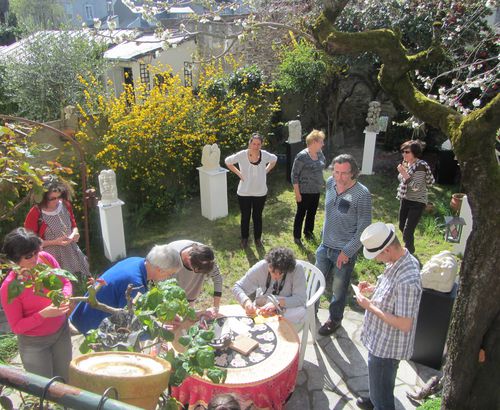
(149, 316)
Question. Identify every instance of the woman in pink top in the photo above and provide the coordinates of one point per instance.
(42, 329)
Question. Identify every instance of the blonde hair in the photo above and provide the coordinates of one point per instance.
(315, 135)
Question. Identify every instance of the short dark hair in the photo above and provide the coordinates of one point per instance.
(202, 258)
(415, 146)
(54, 184)
(281, 259)
(20, 242)
(343, 158)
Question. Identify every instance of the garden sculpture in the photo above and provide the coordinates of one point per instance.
(210, 157)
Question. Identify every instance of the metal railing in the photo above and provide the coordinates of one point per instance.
(53, 390)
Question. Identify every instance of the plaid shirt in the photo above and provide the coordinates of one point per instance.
(397, 292)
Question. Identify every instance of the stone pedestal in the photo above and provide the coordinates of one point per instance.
(368, 153)
(213, 192)
(113, 236)
(466, 213)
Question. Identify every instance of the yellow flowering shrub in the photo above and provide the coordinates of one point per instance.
(153, 139)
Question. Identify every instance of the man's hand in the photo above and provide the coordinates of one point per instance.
(363, 301)
(366, 287)
(342, 259)
(212, 312)
(298, 197)
(249, 308)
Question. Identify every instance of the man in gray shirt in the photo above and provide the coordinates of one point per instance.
(198, 263)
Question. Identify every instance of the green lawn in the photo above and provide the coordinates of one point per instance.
(223, 234)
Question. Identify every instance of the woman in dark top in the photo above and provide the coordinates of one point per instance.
(308, 182)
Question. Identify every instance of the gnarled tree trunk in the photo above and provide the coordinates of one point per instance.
(468, 383)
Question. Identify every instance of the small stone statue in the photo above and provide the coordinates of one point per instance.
(210, 157)
(372, 116)
(107, 186)
(294, 131)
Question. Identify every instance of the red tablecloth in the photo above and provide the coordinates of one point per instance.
(266, 385)
(269, 393)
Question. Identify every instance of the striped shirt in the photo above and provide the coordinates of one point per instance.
(398, 292)
(308, 173)
(346, 216)
(415, 188)
(192, 282)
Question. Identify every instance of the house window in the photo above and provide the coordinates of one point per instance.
(89, 12)
(143, 69)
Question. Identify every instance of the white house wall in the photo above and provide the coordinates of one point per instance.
(173, 57)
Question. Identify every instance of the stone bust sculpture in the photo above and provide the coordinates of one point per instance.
(107, 186)
(372, 116)
(210, 157)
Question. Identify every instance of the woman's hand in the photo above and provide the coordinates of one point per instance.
(54, 311)
(63, 241)
(298, 197)
(402, 171)
(249, 308)
(75, 235)
(268, 309)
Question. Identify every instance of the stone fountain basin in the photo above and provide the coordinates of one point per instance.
(138, 378)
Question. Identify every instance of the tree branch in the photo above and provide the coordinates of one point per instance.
(334, 8)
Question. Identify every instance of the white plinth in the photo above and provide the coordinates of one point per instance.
(368, 153)
(213, 193)
(466, 213)
(113, 236)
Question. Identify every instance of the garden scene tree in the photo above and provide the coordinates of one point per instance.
(445, 80)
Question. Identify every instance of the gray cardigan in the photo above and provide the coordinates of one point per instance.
(308, 173)
(293, 291)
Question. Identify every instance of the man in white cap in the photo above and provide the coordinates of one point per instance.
(391, 313)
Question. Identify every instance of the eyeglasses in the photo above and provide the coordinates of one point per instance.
(30, 255)
(54, 198)
(404, 151)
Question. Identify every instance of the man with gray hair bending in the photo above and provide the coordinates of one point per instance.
(161, 263)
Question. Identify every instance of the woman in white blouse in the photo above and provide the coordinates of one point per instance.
(253, 165)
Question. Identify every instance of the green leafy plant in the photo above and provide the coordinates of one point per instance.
(156, 310)
(39, 278)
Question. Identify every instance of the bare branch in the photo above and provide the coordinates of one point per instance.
(98, 305)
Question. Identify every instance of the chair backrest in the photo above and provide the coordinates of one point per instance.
(315, 282)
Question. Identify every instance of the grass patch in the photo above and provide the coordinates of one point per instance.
(432, 404)
(224, 234)
(8, 347)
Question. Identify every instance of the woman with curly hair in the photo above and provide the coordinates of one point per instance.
(281, 277)
(52, 219)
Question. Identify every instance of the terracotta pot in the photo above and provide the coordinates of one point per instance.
(456, 202)
(138, 378)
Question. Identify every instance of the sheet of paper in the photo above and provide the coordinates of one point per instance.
(356, 290)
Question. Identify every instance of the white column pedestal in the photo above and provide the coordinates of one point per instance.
(113, 236)
(213, 193)
(466, 213)
(368, 153)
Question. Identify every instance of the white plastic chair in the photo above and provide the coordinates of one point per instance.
(315, 286)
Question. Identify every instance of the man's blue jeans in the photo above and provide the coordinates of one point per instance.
(326, 261)
(382, 377)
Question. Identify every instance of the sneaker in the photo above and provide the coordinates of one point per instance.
(364, 403)
(329, 328)
(259, 243)
(297, 241)
(244, 243)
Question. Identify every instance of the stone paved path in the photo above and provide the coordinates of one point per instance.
(335, 371)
